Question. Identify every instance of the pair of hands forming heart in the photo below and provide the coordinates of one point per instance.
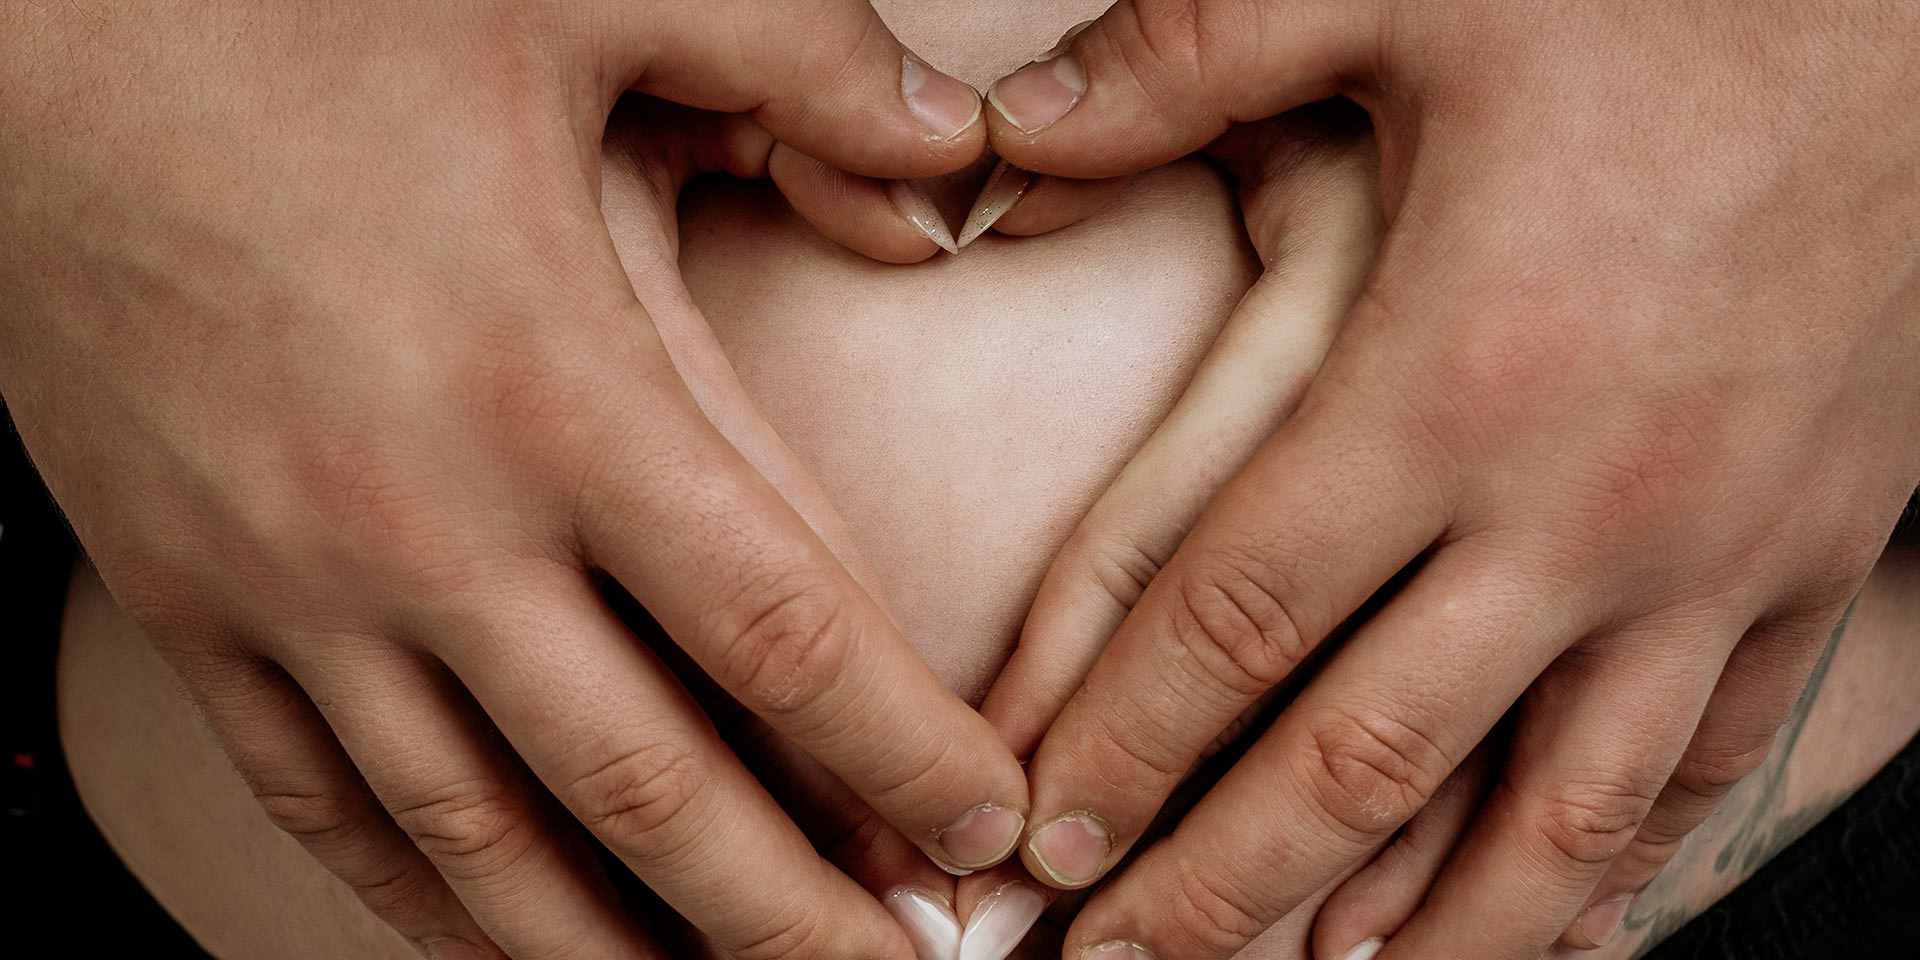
(313, 326)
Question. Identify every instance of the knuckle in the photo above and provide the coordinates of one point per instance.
(1588, 823)
(335, 829)
(1240, 632)
(1369, 772)
(471, 828)
(792, 641)
(395, 895)
(793, 937)
(317, 819)
(1650, 851)
(914, 773)
(1213, 913)
(1710, 770)
(1123, 566)
(1122, 748)
(641, 801)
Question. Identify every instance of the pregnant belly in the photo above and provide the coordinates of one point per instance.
(964, 412)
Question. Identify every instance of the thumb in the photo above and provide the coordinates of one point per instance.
(826, 77)
(1153, 80)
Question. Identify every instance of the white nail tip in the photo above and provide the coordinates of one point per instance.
(928, 923)
(914, 204)
(1003, 189)
(1001, 921)
(1365, 950)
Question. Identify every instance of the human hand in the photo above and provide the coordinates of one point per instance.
(1620, 420)
(324, 348)
(1305, 181)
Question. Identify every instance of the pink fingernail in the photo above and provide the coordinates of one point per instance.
(1072, 850)
(1603, 920)
(946, 106)
(982, 837)
(1037, 95)
(1000, 921)
(1004, 188)
(928, 922)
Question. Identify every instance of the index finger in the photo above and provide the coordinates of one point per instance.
(746, 588)
(1282, 555)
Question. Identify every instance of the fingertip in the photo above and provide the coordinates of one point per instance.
(893, 221)
(1364, 950)
(928, 920)
(1002, 191)
(1052, 203)
(1079, 111)
(982, 837)
(878, 110)
(916, 206)
(1598, 924)
(1344, 925)
(1038, 95)
(949, 109)
(1069, 851)
(998, 921)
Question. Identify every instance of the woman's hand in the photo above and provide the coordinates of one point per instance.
(1623, 414)
(315, 329)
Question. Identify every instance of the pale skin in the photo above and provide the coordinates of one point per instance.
(729, 913)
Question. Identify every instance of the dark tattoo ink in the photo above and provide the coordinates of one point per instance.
(1761, 829)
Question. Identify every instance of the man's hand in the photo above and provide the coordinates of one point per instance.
(1624, 413)
(314, 327)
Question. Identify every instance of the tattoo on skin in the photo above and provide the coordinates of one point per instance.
(1754, 828)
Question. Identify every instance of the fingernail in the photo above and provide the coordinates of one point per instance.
(1000, 921)
(1004, 188)
(982, 836)
(947, 107)
(1365, 950)
(929, 923)
(1072, 849)
(1602, 920)
(450, 948)
(1117, 950)
(1036, 95)
(913, 202)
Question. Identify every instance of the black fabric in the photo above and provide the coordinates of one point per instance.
(1850, 888)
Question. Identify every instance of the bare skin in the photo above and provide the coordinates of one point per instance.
(1624, 413)
(815, 388)
(962, 449)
